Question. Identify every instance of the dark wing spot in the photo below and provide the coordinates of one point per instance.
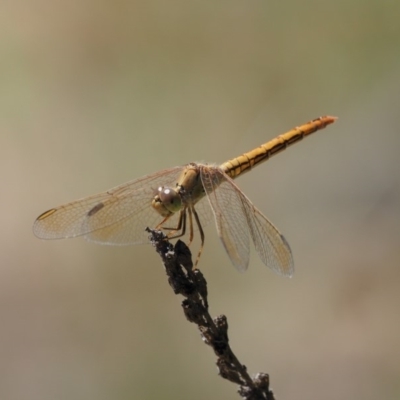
(95, 209)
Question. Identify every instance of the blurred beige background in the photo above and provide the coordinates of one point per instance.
(94, 94)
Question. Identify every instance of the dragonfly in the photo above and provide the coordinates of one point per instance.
(182, 200)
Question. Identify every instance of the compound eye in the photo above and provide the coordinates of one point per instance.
(170, 199)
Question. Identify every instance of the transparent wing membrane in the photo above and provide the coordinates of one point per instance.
(237, 219)
(118, 216)
(229, 215)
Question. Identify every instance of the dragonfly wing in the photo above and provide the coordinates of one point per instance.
(236, 217)
(229, 213)
(270, 244)
(118, 216)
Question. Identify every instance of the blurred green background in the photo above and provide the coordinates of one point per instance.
(94, 94)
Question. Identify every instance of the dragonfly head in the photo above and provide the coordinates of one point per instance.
(167, 201)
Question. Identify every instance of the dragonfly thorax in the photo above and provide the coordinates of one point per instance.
(167, 201)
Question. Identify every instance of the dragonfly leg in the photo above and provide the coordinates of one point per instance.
(196, 217)
(190, 225)
(174, 231)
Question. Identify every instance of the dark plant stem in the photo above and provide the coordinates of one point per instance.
(191, 284)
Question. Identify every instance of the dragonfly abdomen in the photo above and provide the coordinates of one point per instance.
(247, 161)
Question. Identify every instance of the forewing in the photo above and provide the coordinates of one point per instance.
(230, 214)
(118, 216)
